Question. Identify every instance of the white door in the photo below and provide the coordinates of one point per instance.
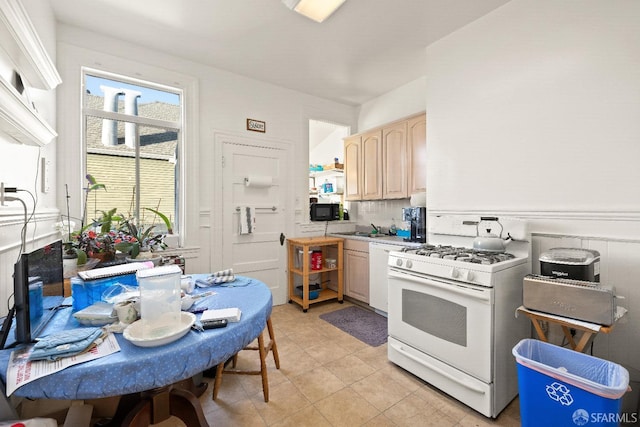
(258, 254)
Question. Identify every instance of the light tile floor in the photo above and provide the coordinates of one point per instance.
(329, 378)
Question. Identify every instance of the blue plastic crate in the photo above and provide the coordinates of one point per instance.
(561, 387)
(85, 293)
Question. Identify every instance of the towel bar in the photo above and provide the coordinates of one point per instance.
(273, 208)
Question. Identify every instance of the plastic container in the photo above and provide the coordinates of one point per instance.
(316, 260)
(36, 308)
(314, 291)
(330, 263)
(160, 303)
(87, 293)
(561, 387)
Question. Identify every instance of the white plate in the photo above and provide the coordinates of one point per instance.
(164, 335)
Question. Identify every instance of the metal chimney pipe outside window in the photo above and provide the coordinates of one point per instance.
(110, 127)
(131, 108)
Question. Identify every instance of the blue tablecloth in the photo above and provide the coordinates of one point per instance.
(135, 369)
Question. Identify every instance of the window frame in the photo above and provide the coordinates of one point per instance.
(177, 126)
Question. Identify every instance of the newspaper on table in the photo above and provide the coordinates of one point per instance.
(21, 370)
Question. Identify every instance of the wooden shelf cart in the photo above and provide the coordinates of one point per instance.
(304, 270)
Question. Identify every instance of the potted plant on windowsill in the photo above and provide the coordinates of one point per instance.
(140, 242)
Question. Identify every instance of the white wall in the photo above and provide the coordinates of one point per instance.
(539, 100)
(400, 102)
(19, 167)
(329, 148)
(533, 111)
(225, 101)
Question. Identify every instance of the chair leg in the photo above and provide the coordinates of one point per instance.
(263, 351)
(218, 380)
(263, 367)
(274, 347)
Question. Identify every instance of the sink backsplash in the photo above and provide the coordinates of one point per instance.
(382, 213)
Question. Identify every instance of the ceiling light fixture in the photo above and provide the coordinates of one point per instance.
(318, 10)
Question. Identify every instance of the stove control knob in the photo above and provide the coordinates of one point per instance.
(469, 276)
(399, 262)
(409, 263)
(454, 273)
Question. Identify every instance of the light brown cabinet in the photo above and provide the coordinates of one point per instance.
(387, 162)
(363, 166)
(372, 165)
(356, 269)
(352, 168)
(394, 161)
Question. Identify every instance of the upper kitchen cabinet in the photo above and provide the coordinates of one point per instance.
(372, 165)
(352, 167)
(417, 154)
(25, 66)
(394, 161)
(387, 162)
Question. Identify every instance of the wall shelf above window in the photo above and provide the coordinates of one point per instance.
(32, 68)
(21, 121)
(21, 42)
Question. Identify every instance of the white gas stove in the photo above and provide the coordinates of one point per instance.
(456, 263)
(452, 312)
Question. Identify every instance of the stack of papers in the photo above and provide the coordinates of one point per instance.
(231, 314)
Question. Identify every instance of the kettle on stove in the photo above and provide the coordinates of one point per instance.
(490, 242)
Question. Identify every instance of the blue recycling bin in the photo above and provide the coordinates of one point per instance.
(561, 387)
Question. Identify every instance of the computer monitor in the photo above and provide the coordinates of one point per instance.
(38, 287)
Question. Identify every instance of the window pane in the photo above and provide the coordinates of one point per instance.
(131, 99)
(115, 166)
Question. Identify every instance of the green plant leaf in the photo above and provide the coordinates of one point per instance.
(164, 219)
(82, 256)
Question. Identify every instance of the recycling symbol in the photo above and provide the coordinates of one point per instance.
(559, 393)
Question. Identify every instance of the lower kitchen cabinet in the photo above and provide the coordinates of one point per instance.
(356, 269)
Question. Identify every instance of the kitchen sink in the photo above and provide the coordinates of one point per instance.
(362, 234)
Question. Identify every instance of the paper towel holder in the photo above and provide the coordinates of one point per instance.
(258, 181)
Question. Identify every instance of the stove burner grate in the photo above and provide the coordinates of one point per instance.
(459, 254)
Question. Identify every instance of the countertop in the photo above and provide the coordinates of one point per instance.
(389, 240)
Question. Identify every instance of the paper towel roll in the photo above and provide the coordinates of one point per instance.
(258, 181)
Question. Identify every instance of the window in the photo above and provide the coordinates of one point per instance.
(133, 140)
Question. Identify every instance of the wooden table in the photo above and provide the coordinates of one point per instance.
(588, 330)
(303, 269)
(151, 380)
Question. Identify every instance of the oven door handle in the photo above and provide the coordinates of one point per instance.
(481, 295)
(438, 371)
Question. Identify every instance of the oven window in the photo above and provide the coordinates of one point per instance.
(435, 316)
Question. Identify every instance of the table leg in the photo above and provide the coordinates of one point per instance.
(584, 340)
(569, 337)
(539, 330)
(157, 405)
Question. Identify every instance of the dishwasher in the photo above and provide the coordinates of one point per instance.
(378, 289)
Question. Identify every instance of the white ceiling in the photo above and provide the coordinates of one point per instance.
(367, 48)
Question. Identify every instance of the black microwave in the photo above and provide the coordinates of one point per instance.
(324, 211)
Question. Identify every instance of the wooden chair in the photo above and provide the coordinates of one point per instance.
(263, 350)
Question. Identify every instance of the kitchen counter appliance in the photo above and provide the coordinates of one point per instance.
(324, 211)
(571, 263)
(417, 218)
(451, 312)
(576, 299)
